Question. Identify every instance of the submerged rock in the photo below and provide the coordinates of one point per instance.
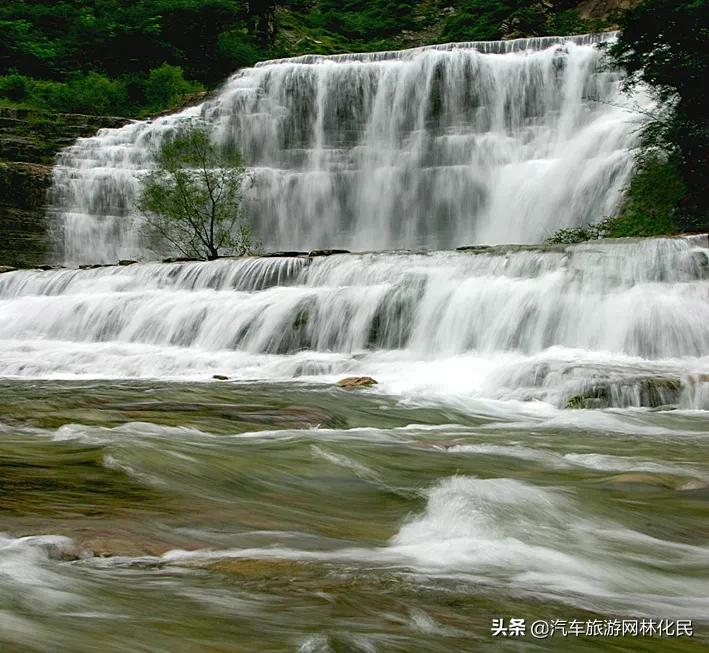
(642, 478)
(126, 261)
(698, 378)
(646, 392)
(6, 268)
(351, 382)
(110, 544)
(693, 485)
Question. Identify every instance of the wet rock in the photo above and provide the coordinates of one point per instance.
(594, 397)
(646, 392)
(189, 100)
(67, 551)
(284, 254)
(181, 413)
(118, 545)
(29, 141)
(181, 259)
(23, 223)
(658, 391)
(220, 377)
(328, 252)
(577, 402)
(698, 378)
(126, 261)
(251, 568)
(6, 268)
(352, 382)
(473, 248)
(640, 478)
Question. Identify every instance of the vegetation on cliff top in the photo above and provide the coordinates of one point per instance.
(134, 58)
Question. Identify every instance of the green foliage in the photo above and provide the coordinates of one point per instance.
(481, 20)
(365, 21)
(98, 94)
(237, 51)
(166, 86)
(93, 93)
(14, 87)
(573, 235)
(193, 199)
(111, 56)
(663, 46)
(61, 47)
(651, 206)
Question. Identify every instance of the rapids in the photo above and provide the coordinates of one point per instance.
(190, 517)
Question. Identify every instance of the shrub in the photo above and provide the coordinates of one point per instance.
(166, 86)
(653, 198)
(14, 87)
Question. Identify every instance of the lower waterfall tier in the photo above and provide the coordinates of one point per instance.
(592, 325)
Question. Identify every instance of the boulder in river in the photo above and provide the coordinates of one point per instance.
(6, 268)
(352, 382)
(220, 377)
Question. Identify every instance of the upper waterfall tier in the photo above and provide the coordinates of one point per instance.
(437, 146)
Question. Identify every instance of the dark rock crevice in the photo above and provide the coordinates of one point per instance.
(29, 142)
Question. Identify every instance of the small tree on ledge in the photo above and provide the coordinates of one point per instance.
(194, 197)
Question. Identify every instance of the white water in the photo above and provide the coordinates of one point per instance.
(531, 539)
(506, 324)
(438, 147)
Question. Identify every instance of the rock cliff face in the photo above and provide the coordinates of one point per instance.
(29, 141)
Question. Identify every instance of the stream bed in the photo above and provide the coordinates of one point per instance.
(217, 516)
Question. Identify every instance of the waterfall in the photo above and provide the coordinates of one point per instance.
(433, 147)
(626, 323)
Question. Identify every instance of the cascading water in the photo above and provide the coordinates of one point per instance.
(148, 505)
(621, 323)
(436, 147)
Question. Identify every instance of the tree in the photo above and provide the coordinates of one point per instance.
(194, 197)
(662, 45)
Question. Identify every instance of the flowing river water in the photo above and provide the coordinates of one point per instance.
(537, 447)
